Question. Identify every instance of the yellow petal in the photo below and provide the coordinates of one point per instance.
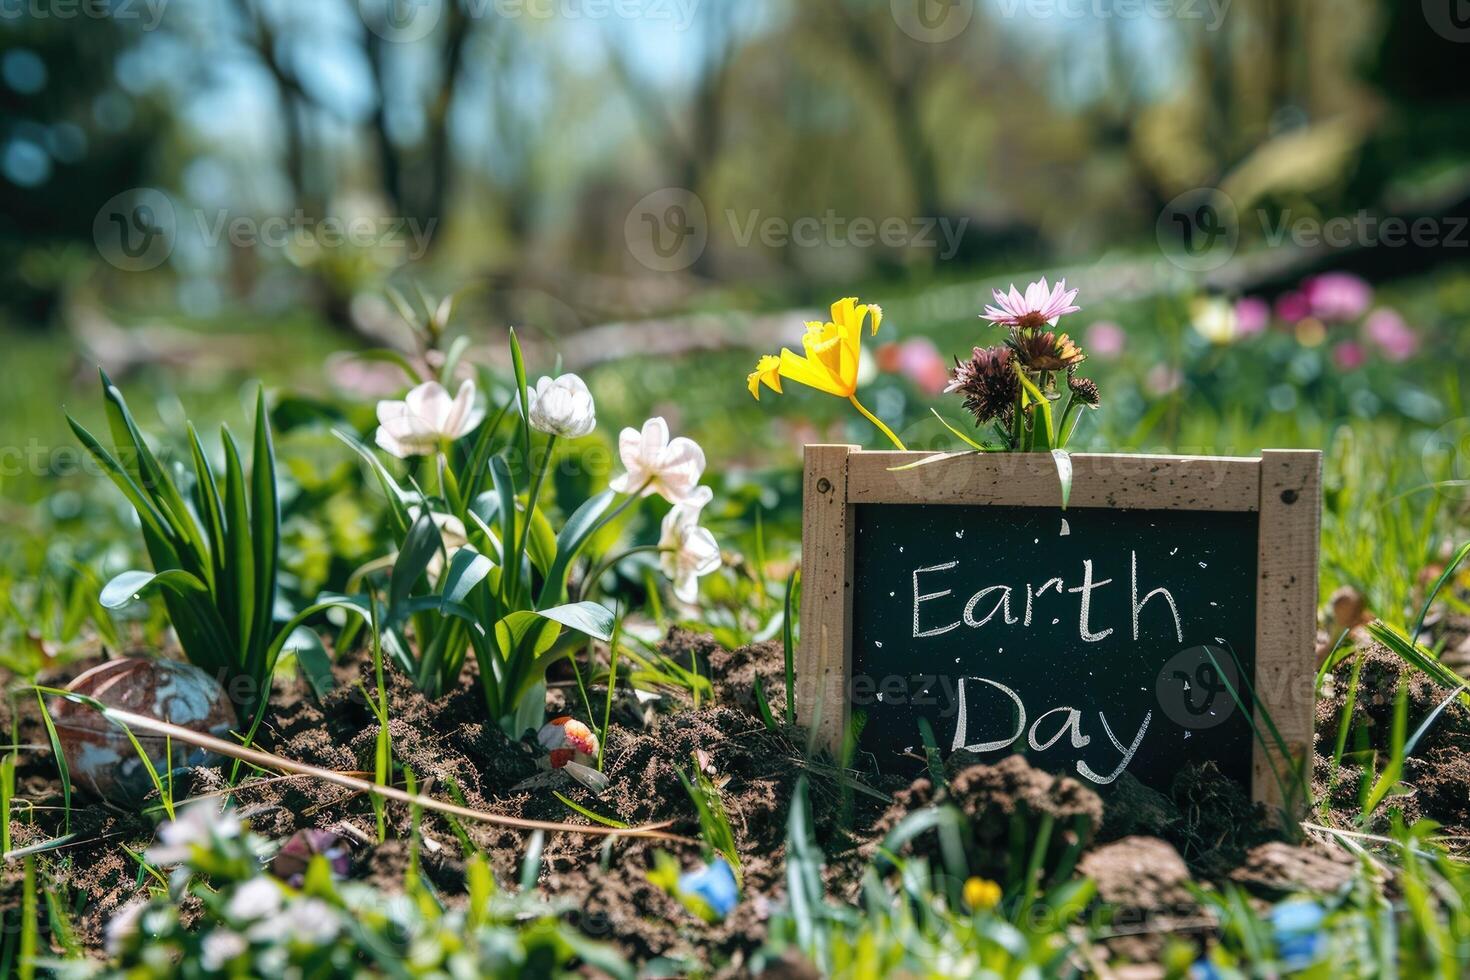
(877, 312)
(844, 310)
(812, 374)
(767, 371)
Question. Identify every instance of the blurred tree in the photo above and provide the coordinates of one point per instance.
(72, 135)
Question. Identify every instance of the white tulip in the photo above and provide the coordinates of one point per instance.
(561, 407)
(692, 550)
(669, 468)
(426, 418)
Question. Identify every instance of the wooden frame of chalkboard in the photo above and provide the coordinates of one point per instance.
(1282, 487)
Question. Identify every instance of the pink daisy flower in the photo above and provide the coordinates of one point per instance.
(1041, 306)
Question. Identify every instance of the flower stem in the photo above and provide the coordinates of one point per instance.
(535, 494)
(877, 421)
(595, 576)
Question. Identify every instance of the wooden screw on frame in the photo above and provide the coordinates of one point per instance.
(1283, 486)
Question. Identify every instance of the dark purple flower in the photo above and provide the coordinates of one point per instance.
(292, 860)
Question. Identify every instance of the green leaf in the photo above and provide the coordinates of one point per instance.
(585, 617)
(194, 601)
(148, 515)
(467, 569)
(457, 347)
(63, 770)
(206, 492)
(265, 526)
(124, 587)
(472, 477)
(1449, 572)
(596, 817)
(241, 557)
(574, 536)
(421, 544)
(399, 499)
(518, 363)
(957, 433)
(505, 490)
(788, 645)
(150, 475)
(1064, 473)
(541, 547)
(312, 657)
(1419, 657)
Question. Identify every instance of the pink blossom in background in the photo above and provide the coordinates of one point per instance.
(1348, 355)
(1293, 307)
(920, 361)
(1163, 379)
(1337, 296)
(1252, 316)
(1105, 340)
(1390, 333)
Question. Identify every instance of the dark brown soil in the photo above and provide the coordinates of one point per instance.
(1438, 773)
(1142, 847)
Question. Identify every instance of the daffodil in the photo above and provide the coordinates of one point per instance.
(833, 353)
(767, 372)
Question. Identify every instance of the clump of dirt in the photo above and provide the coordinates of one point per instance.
(1276, 869)
(1005, 806)
(1145, 884)
(1218, 821)
(1438, 772)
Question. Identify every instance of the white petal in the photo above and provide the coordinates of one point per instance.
(654, 439)
(389, 444)
(430, 402)
(465, 412)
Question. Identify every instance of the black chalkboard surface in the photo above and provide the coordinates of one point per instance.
(1092, 640)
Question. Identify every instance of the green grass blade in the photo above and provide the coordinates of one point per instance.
(1449, 572)
(788, 645)
(590, 815)
(63, 770)
(265, 518)
(241, 550)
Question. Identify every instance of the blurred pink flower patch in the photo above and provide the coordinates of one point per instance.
(920, 361)
(1293, 307)
(1252, 316)
(1105, 340)
(1387, 330)
(1163, 379)
(1337, 296)
(1349, 355)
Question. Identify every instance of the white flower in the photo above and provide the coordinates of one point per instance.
(198, 824)
(310, 921)
(670, 468)
(219, 947)
(561, 407)
(124, 923)
(256, 899)
(427, 417)
(693, 550)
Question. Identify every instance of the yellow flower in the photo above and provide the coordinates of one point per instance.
(767, 371)
(981, 894)
(831, 361)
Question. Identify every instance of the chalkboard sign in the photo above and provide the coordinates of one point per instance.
(1136, 631)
